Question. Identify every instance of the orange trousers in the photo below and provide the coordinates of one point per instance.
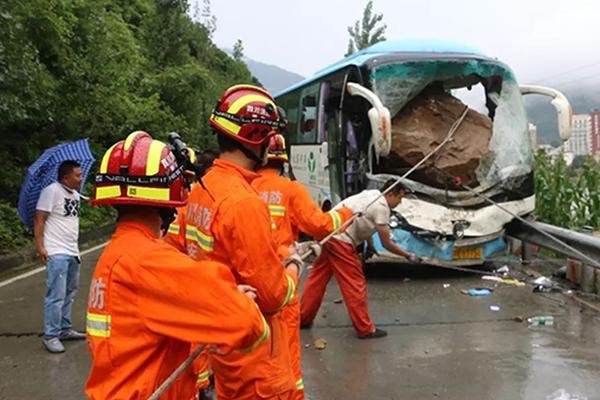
(340, 259)
(291, 317)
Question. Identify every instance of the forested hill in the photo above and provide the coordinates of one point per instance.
(101, 69)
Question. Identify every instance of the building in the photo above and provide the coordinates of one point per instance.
(580, 143)
(595, 117)
(533, 135)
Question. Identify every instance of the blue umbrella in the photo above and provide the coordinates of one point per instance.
(44, 171)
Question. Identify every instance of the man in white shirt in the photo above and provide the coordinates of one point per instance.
(56, 228)
(339, 257)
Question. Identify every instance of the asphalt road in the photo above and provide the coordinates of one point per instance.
(441, 344)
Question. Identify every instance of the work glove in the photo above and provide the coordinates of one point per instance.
(295, 259)
(304, 247)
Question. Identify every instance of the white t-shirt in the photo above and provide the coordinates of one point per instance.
(61, 231)
(365, 226)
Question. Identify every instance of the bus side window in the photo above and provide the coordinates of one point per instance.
(307, 128)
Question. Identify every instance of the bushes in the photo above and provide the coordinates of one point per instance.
(13, 233)
(567, 196)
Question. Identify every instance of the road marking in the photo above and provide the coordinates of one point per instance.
(40, 269)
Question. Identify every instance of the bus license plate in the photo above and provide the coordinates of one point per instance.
(464, 254)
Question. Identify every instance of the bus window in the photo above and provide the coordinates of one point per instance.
(307, 127)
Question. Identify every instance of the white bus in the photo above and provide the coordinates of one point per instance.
(340, 140)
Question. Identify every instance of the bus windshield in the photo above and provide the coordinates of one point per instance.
(486, 87)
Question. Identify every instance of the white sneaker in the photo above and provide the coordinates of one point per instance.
(54, 345)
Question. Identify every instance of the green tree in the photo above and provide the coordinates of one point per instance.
(238, 50)
(366, 32)
(101, 69)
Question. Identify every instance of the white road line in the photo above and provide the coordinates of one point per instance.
(40, 269)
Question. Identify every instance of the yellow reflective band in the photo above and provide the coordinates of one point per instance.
(153, 162)
(227, 124)
(290, 293)
(277, 211)
(107, 192)
(98, 325)
(205, 241)
(129, 140)
(174, 229)
(336, 219)
(104, 163)
(148, 193)
(203, 377)
(273, 225)
(265, 335)
(299, 384)
(242, 101)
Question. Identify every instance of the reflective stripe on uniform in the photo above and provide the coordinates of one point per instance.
(98, 325)
(107, 192)
(336, 219)
(205, 241)
(265, 335)
(291, 291)
(299, 384)
(202, 377)
(148, 193)
(277, 211)
(174, 229)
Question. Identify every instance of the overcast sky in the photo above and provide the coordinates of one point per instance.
(538, 39)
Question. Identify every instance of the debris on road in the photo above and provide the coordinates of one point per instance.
(503, 270)
(338, 300)
(494, 307)
(446, 285)
(542, 320)
(562, 394)
(519, 318)
(320, 344)
(478, 292)
(506, 281)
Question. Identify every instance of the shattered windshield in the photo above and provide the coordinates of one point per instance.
(426, 98)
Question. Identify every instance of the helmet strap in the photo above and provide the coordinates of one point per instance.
(167, 215)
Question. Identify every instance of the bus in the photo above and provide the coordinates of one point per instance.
(340, 137)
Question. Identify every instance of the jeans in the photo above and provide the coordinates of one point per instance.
(61, 283)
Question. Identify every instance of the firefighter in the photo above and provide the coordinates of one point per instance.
(293, 211)
(339, 257)
(148, 301)
(226, 220)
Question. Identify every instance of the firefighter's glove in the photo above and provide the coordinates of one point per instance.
(310, 246)
(295, 259)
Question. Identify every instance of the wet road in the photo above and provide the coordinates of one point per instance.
(441, 344)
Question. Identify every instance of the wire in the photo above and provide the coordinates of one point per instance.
(567, 72)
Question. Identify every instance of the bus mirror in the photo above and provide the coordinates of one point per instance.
(379, 117)
(560, 103)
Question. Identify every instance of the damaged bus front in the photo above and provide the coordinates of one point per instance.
(377, 113)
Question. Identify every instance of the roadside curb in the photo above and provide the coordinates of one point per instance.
(27, 257)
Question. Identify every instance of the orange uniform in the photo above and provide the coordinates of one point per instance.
(147, 303)
(293, 211)
(227, 221)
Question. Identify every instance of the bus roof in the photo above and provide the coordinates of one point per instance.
(421, 46)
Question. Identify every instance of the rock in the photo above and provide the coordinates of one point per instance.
(307, 345)
(423, 124)
(320, 344)
(338, 301)
(519, 318)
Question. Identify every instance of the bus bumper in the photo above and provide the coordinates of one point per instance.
(462, 252)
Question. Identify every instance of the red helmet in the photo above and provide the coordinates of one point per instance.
(140, 171)
(247, 114)
(276, 149)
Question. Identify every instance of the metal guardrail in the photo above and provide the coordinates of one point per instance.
(587, 244)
